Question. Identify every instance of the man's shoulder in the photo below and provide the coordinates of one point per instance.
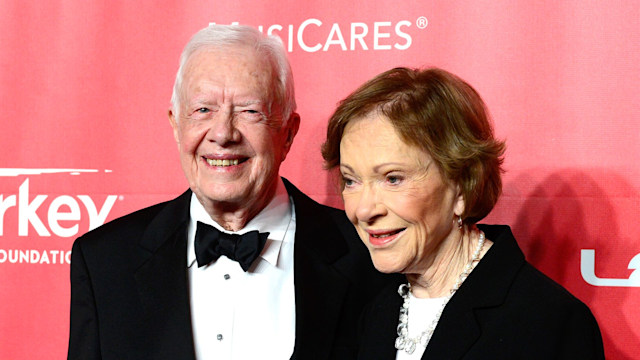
(131, 225)
(308, 210)
(305, 203)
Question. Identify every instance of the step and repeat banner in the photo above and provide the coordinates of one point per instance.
(85, 89)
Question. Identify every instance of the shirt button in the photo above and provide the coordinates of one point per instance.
(227, 277)
(219, 337)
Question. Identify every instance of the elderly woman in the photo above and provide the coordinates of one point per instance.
(420, 166)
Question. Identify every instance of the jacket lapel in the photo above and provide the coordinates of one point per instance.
(378, 334)
(320, 288)
(486, 287)
(162, 281)
(456, 332)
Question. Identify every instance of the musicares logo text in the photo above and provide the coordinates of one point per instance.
(380, 35)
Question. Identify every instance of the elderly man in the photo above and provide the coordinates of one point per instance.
(242, 265)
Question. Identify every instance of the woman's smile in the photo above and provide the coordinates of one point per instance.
(382, 238)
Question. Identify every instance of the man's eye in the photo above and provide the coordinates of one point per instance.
(203, 110)
(250, 115)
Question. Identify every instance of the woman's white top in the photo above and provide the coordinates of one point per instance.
(422, 312)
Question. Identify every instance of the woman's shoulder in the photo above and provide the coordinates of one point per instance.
(508, 268)
(543, 291)
(526, 290)
(540, 317)
(547, 307)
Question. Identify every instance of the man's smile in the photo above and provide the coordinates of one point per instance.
(225, 162)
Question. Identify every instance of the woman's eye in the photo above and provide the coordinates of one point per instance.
(393, 179)
(347, 182)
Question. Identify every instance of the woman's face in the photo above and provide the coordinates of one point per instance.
(395, 196)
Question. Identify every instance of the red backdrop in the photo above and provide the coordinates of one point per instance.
(85, 88)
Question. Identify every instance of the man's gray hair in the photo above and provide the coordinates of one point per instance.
(221, 36)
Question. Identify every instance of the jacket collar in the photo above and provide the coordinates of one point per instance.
(173, 217)
(486, 286)
(162, 280)
(320, 279)
(320, 286)
(458, 328)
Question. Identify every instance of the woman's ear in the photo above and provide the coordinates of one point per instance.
(458, 205)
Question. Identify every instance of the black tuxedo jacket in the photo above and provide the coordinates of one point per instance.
(130, 297)
(505, 309)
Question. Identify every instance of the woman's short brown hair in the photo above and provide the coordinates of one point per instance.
(439, 113)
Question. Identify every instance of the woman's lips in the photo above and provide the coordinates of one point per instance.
(379, 238)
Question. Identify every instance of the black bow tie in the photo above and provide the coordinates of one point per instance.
(210, 243)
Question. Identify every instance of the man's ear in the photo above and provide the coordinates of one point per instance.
(174, 125)
(290, 132)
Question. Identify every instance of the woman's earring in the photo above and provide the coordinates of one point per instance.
(459, 222)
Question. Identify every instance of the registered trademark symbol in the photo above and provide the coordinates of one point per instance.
(422, 22)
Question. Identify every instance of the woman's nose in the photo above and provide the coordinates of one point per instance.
(369, 205)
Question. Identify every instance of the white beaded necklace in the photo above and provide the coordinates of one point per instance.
(403, 342)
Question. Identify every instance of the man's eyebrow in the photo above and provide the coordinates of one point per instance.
(201, 100)
(249, 102)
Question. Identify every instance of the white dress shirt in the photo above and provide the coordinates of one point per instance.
(239, 315)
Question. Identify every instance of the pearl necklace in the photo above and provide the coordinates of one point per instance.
(403, 342)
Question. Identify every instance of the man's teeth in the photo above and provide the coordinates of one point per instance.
(225, 162)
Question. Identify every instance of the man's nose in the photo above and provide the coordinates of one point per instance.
(223, 130)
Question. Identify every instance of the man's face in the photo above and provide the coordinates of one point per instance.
(230, 137)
